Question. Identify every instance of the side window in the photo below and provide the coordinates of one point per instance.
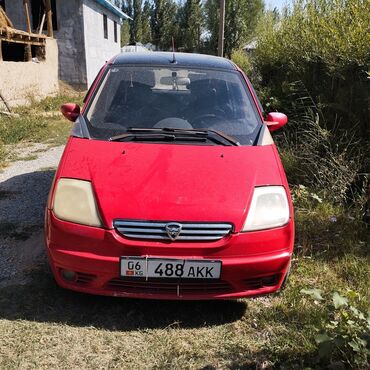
(115, 32)
(105, 25)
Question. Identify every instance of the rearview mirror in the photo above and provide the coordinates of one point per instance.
(275, 120)
(70, 111)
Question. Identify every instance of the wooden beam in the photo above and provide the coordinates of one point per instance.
(11, 32)
(49, 18)
(28, 50)
(42, 24)
(35, 43)
(27, 13)
(2, 11)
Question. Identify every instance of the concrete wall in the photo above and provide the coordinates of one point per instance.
(20, 80)
(98, 49)
(80, 35)
(70, 36)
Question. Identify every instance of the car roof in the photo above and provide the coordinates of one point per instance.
(166, 59)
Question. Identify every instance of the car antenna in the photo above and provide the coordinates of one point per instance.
(173, 51)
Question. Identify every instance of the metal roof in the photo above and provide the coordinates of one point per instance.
(166, 58)
(114, 9)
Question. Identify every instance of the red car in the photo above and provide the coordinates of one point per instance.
(170, 186)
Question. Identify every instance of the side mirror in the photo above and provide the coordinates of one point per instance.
(70, 111)
(275, 120)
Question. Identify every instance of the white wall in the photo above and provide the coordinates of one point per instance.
(98, 49)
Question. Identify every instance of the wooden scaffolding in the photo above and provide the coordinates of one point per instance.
(10, 35)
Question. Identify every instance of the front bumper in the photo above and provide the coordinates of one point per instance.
(252, 263)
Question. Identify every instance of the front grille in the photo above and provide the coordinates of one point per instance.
(171, 288)
(157, 230)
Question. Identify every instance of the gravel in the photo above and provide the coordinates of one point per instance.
(24, 187)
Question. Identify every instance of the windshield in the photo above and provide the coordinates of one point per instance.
(178, 98)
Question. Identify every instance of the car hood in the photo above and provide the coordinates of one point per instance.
(168, 182)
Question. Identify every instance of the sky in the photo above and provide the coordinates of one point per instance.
(271, 4)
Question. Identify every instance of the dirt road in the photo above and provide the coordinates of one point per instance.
(24, 187)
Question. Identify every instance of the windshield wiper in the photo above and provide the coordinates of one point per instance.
(170, 130)
(174, 134)
(202, 133)
(226, 137)
(156, 137)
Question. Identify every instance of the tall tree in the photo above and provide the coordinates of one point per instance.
(164, 25)
(133, 8)
(117, 3)
(126, 7)
(125, 33)
(191, 25)
(241, 18)
(146, 33)
(136, 26)
(211, 11)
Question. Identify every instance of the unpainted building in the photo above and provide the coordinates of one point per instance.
(88, 33)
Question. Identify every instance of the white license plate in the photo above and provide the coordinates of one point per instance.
(141, 267)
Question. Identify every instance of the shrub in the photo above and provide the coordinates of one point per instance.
(325, 160)
(333, 31)
(317, 56)
(344, 335)
(240, 58)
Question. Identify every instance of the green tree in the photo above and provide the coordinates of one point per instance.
(133, 8)
(241, 18)
(125, 33)
(136, 26)
(164, 23)
(126, 30)
(191, 25)
(127, 8)
(211, 12)
(146, 33)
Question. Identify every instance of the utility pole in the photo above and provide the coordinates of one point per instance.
(221, 29)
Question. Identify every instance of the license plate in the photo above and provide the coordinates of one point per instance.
(141, 267)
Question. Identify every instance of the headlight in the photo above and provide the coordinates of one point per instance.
(269, 208)
(74, 201)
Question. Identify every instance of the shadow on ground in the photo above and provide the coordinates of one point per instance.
(43, 301)
(23, 198)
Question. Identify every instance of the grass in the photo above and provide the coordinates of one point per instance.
(3, 154)
(43, 326)
(31, 126)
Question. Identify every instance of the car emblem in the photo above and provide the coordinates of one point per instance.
(173, 230)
